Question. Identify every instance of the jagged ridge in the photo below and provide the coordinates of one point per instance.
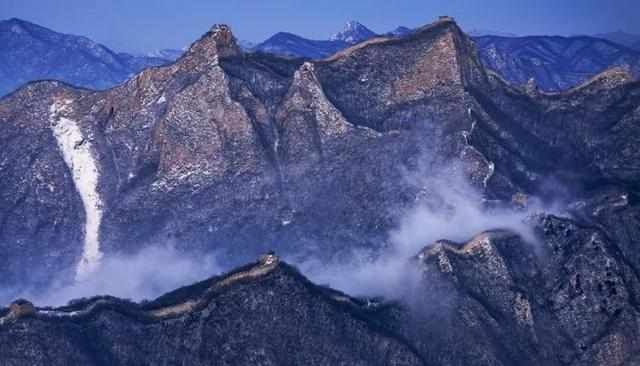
(253, 314)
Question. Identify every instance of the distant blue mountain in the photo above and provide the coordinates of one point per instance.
(31, 52)
(288, 44)
(626, 39)
(554, 62)
(400, 32)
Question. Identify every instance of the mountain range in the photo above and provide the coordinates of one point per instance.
(499, 223)
(626, 39)
(30, 52)
(553, 62)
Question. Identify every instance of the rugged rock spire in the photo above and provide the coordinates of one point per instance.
(224, 40)
(218, 42)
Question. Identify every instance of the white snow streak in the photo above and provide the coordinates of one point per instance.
(77, 153)
(162, 99)
(492, 168)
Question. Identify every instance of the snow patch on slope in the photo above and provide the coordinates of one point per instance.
(77, 152)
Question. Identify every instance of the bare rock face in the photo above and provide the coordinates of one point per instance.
(241, 153)
(405, 83)
(21, 308)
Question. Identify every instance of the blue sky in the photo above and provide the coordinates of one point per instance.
(145, 25)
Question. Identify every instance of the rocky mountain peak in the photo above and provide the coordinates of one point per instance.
(445, 23)
(353, 32)
(454, 46)
(225, 40)
(438, 60)
(219, 41)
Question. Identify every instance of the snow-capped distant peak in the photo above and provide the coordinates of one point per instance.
(353, 32)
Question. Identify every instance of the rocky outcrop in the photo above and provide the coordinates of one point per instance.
(568, 299)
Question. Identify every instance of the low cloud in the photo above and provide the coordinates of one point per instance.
(447, 207)
(144, 275)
